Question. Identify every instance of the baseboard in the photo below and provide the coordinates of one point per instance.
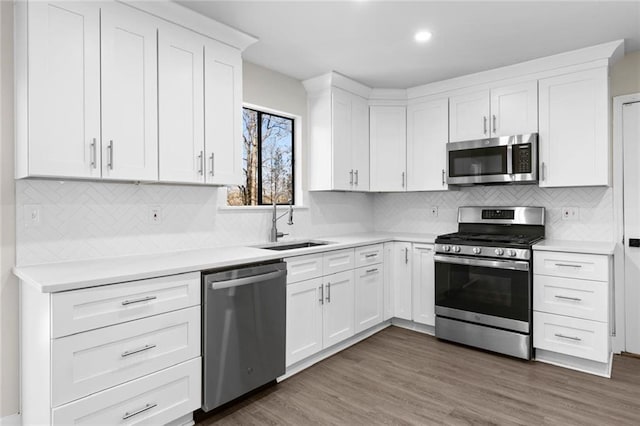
(186, 420)
(602, 369)
(410, 325)
(12, 420)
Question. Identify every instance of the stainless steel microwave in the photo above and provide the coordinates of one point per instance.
(507, 159)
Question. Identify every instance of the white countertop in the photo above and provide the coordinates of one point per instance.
(55, 277)
(590, 247)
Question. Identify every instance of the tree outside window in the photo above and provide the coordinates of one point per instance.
(267, 160)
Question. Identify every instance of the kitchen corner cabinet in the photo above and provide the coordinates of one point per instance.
(500, 111)
(339, 141)
(388, 145)
(427, 137)
(400, 276)
(574, 129)
(423, 284)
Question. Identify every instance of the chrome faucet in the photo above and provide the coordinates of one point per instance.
(275, 234)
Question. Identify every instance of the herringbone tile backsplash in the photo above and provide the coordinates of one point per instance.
(85, 220)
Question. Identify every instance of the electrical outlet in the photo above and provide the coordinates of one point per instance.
(434, 211)
(570, 213)
(155, 215)
(32, 215)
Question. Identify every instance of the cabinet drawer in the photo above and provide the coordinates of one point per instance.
(571, 336)
(567, 296)
(157, 399)
(302, 268)
(369, 255)
(81, 310)
(337, 261)
(571, 265)
(95, 360)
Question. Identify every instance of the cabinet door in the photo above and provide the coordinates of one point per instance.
(181, 105)
(427, 137)
(402, 280)
(514, 109)
(388, 144)
(223, 114)
(64, 89)
(338, 314)
(304, 319)
(360, 143)
(343, 171)
(129, 94)
(574, 129)
(389, 277)
(423, 285)
(369, 305)
(469, 116)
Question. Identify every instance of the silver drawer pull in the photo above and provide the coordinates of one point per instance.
(576, 339)
(321, 300)
(142, 299)
(369, 271)
(371, 255)
(568, 265)
(142, 410)
(575, 299)
(137, 351)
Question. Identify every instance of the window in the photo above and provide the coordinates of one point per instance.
(267, 160)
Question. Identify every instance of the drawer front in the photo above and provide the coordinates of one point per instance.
(155, 399)
(369, 255)
(337, 261)
(302, 268)
(575, 298)
(571, 265)
(571, 336)
(87, 309)
(95, 360)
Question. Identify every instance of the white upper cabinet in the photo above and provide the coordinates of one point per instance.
(223, 114)
(502, 111)
(388, 144)
(427, 136)
(181, 105)
(63, 90)
(129, 94)
(343, 178)
(360, 143)
(574, 129)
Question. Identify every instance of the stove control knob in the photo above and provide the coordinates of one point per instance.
(499, 251)
(477, 250)
(512, 253)
(446, 248)
(456, 249)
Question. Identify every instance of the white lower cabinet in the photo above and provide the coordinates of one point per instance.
(337, 315)
(401, 261)
(304, 319)
(423, 285)
(156, 399)
(369, 308)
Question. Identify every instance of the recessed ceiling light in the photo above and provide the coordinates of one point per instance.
(422, 36)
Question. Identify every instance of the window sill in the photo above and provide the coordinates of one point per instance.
(257, 209)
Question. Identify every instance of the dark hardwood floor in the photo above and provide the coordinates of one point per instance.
(402, 377)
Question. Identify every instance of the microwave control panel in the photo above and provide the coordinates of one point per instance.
(522, 158)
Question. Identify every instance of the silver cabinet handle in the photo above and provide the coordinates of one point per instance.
(328, 293)
(137, 351)
(356, 173)
(94, 154)
(142, 299)
(110, 148)
(201, 163)
(442, 177)
(576, 339)
(371, 255)
(370, 271)
(142, 410)
(575, 299)
(485, 124)
(568, 265)
(406, 255)
(211, 171)
(542, 171)
(403, 179)
(351, 177)
(321, 300)
(494, 123)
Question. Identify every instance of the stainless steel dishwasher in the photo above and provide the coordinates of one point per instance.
(244, 326)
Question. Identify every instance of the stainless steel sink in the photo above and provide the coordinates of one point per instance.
(293, 245)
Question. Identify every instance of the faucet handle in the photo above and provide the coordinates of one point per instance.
(280, 234)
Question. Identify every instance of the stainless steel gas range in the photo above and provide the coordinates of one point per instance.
(483, 278)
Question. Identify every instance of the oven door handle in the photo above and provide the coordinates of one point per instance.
(497, 264)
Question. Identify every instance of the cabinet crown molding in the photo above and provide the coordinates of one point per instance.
(334, 79)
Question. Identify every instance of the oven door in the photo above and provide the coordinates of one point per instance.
(492, 292)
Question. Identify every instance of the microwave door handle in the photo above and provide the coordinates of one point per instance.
(509, 159)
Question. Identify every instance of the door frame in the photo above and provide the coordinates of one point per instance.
(619, 309)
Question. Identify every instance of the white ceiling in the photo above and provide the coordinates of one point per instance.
(372, 41)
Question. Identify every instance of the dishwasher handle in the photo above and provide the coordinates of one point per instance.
(253, 279)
